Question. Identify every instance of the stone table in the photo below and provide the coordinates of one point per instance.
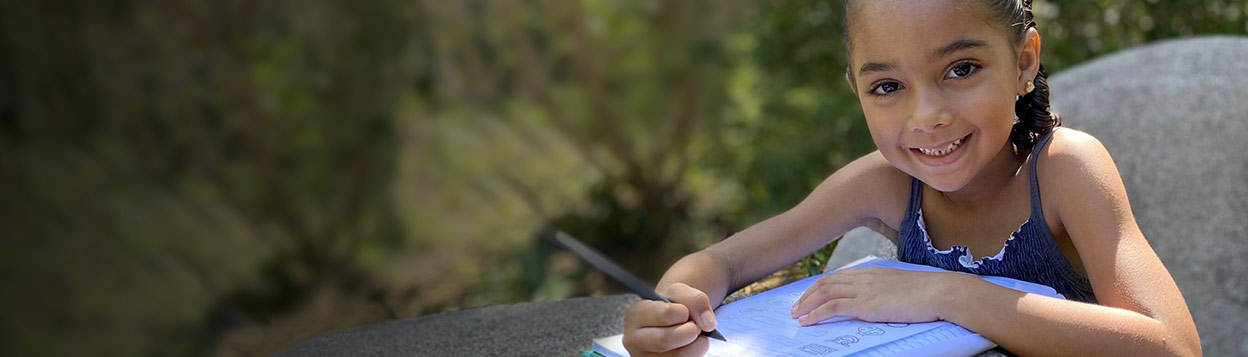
(553, 328)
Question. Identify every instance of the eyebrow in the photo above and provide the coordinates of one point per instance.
(952, 47)
(955, 46)
(871, 67)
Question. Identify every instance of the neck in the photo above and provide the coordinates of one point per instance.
(994, 178)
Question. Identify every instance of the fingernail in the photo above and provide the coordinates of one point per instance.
(802, 320)
(793, 311)
(708, 319)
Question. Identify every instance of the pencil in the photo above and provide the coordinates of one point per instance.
(613, 270)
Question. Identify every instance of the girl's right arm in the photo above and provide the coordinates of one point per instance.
(868, 191)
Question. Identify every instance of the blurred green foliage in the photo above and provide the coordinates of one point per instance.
(230, 177)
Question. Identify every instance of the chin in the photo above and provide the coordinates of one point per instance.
(945, 184)
(950, 180)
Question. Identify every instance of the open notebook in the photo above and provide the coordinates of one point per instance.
(760, 325)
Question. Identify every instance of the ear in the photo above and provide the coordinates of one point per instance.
(1028, 59)
(849, 78)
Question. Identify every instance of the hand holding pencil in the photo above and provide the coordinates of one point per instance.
(670, 328)
(676, 322)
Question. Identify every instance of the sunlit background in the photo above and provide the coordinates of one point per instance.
(231, 177)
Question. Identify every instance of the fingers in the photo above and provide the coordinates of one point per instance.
(839, 277)
(697, 348)
(670, 339)
(696, 301)
(809, 290)
(827, 310)
(819, 283)
(646, 313)
(660, 327)
(825, 289)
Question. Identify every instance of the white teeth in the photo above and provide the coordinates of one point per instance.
(942, 151)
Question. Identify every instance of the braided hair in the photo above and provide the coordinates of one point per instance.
(1034, 118)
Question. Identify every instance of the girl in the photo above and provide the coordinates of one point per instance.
(956, 101)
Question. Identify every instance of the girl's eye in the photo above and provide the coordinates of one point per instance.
(885, 88)
(963, 69)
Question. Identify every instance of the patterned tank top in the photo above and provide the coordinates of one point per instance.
(1030, 253)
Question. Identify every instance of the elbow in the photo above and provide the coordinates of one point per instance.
(1193, 347)
(1188, 349)
(1188, 343)
(1171, 340)
(1191, 339)
(1174, 344)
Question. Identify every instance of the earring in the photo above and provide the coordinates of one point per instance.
(1029, 87)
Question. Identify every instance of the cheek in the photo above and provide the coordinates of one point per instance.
(883, 120)
(988, 109)
(885, 132)
(1001, 116)
(883, 129)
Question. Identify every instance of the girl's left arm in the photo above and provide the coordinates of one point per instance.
(1141, 310)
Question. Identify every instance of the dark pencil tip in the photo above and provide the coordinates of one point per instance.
(715, 335)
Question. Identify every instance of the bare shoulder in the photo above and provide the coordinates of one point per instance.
(877, 190)
(1073, 154)
(1079, 180)
(1071, 143)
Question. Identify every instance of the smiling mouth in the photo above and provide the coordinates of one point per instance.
(942, 150)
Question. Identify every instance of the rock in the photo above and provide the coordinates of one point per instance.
(1174, 115)
(860, 242)
(550, 328)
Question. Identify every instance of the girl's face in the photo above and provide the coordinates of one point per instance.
(937, 81)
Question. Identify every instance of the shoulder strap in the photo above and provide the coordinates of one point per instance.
(905, 244)
(916, 196)
(1036, 208)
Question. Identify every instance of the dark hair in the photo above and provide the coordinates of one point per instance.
(1034, 118)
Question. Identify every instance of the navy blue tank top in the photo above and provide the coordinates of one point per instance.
(1030, 253)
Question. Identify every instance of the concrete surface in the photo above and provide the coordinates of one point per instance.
(554, 328)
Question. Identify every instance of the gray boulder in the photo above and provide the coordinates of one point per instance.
(1174, 115)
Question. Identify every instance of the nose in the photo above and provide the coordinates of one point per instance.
(931, 111)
